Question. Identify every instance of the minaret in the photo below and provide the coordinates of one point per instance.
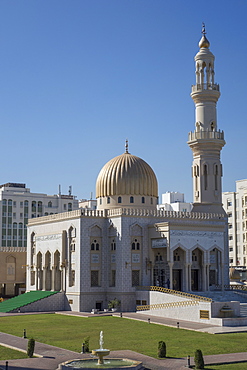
(206, 141)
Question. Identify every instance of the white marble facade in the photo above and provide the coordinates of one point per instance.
(98, 255)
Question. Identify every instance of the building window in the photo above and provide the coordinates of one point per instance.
(108, 200)
(21, 215)
(131, 199)
(230, 226)
(151, 200)
(113, 278)
(119, 200)
(229, 203)
(40, 207)
(94, 278)
(26, 203)
(69, 206)
(230, 237)
(231, 260)
(14, 215)
(135, 277)
(229, 214)
(50, 204)
(95, 246)
(143, 200)
(64, 207)
(135, 245)
(113, 245)
(14, 203)
(100, 200)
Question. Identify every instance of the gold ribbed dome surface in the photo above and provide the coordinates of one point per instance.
(126, 174)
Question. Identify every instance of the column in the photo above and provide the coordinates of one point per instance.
(44, 278)
(189, 277)
(171, 275)
(222, 276)
(53, 278)
(204, 278)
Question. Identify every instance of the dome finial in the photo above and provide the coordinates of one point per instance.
(203, 29)
(126, 146)
(204, 43)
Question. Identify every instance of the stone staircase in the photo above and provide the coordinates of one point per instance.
(224, 296)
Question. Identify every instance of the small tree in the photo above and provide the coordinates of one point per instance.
(30, 347)
(86, 344)
(114, 303)
(199, 362)
(161, 349)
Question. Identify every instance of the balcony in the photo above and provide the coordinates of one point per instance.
(197, 135)
(207, 86)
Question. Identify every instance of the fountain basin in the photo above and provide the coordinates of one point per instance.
(101, 352)
(109, 363)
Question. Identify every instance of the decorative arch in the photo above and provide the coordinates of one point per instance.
(95, 230)
(136, 230)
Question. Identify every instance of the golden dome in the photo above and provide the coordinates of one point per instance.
(126, 174)
(204, 43)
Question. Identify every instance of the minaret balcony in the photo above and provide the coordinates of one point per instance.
(197, 135)
(206, 86)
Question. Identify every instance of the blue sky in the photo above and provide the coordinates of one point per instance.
(78, 77)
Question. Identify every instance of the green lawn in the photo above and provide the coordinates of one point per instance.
(119, 333)
(8, 353)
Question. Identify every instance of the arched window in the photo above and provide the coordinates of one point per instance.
(119, 200)
(10, 203)
(205, 167)
(135, 245)
(113, 245)
(50, 204)
(40, 207)
(216, 176)
(131, 199)
(95, 245)
(26, 203)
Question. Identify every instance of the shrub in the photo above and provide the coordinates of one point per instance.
(199, 362)
(114, 303)
(86, 344)
(161, 349)
(30, 347)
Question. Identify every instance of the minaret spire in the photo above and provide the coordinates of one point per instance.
(126, 146)
(206, 141)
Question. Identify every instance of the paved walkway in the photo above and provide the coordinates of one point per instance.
(50, 357)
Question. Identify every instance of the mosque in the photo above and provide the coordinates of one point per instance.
(95, 256)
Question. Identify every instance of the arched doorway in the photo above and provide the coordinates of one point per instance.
(178, 268)
(196, 270)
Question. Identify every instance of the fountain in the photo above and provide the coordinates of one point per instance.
(109, 363)
(101, 352)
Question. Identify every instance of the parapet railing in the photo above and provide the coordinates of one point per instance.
(201, 134)
(177, 293)
(156, 306)
(205, 86)
(162, 213)
(81, 212)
